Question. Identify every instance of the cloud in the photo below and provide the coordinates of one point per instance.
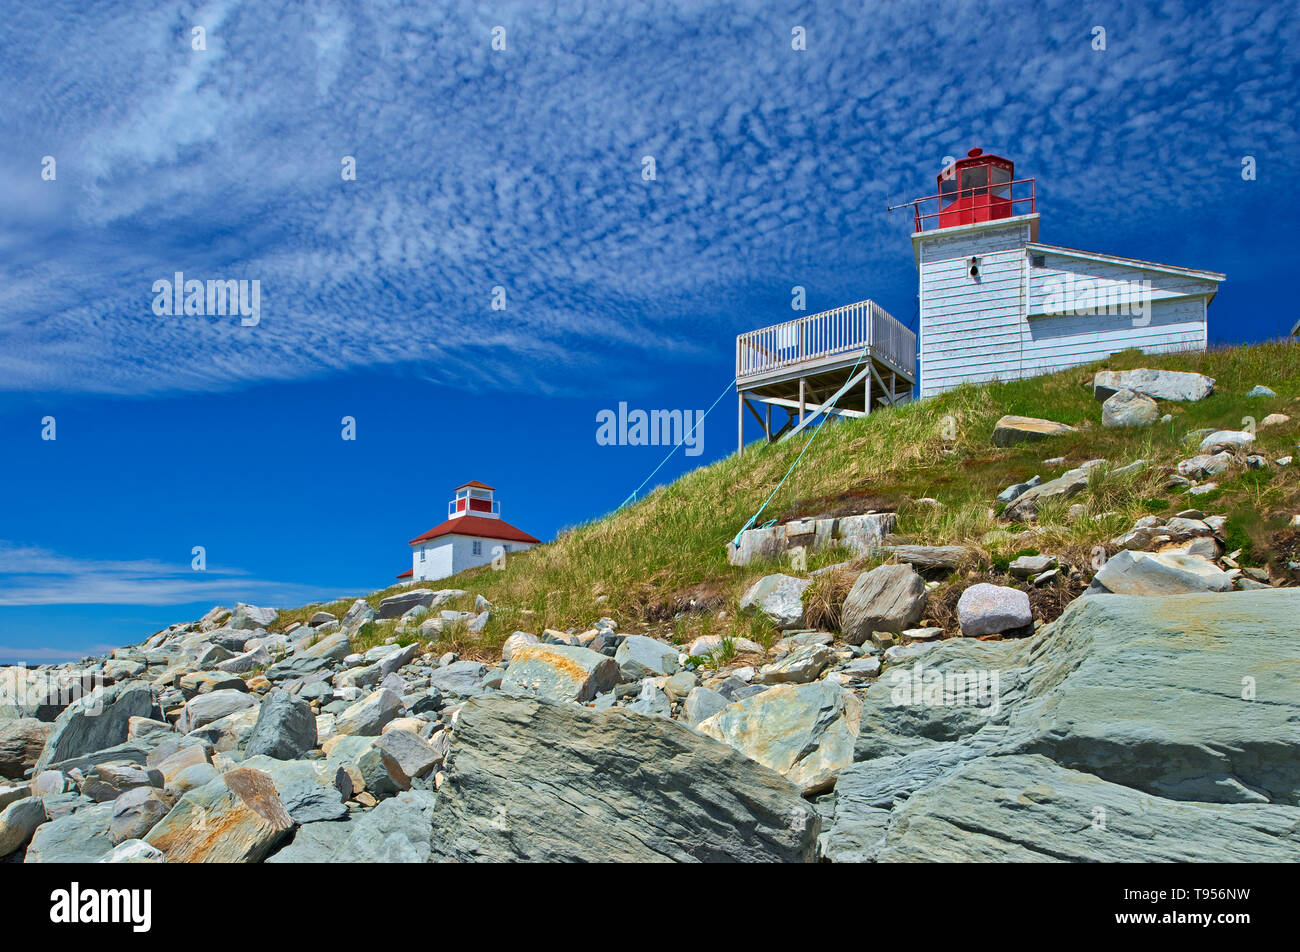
(523, 168)
(35, 576)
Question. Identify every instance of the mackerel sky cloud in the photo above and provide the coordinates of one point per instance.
(522, 168)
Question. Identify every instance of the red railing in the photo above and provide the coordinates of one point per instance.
(964, 206)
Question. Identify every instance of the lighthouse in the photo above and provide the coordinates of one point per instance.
(473, 534)
(995, 303)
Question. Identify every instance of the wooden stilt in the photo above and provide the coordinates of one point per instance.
(740, 424)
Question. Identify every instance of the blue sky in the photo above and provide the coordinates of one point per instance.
(522, 169)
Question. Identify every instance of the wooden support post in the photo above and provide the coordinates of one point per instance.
(740, 424)
(867, 386)
(803, 398)
(767, 424)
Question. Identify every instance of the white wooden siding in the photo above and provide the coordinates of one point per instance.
(971, 329)
(996, 327)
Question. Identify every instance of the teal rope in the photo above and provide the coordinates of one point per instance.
(816, 430)
(685, 436)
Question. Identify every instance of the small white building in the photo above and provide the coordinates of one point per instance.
(997, 304)
(474, 534)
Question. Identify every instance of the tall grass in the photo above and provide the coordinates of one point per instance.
(643, 563)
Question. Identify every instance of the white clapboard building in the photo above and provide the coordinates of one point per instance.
(997, 303)
(474, 534)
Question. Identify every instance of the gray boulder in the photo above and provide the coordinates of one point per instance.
(702, 703)
(395, 605)
(398, 830)
(641, 657)
(135, 812)
(560, 672)
(285, 728)
(801, 666)
(460, 678)
(805, 732)
(21, 743)
(367, 717)
(1029, 809)
(888, 598)
(315, 842)
(778, 598)
(78, 837)
(98, 720)
(18, 821)
(985, 609)
(535, 781)
(205, 708)
(1126, 408)
(250, 617)
(929, 557)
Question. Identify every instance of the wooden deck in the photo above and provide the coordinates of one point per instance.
(858, 357)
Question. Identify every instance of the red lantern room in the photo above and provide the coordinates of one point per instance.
(976, 188)
(474, 498)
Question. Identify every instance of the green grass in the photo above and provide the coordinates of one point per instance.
(643, 565)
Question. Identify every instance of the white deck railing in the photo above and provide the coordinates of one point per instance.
(844, 330)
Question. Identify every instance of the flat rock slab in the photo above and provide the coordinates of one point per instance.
(1010, 430)
(535, 781)
(929, 557)
(1179, 709)
(1160, 384)
(1029, 809)
(1130, 572)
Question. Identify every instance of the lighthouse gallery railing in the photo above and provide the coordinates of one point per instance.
(843, 330)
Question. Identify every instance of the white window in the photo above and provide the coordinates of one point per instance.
(478, 547)
(421, 553)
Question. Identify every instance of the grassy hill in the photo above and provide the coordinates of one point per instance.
(660, 563)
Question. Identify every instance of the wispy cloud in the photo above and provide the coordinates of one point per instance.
(523, 168)
(35, 576)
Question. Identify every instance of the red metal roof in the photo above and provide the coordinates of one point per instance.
(474, 484)
(476, 526)
(409, 573)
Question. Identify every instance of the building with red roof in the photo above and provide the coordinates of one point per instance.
(474, 534)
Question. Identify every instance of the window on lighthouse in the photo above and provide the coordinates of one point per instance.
(1000, 179)
(974, 180)
(478, 547)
